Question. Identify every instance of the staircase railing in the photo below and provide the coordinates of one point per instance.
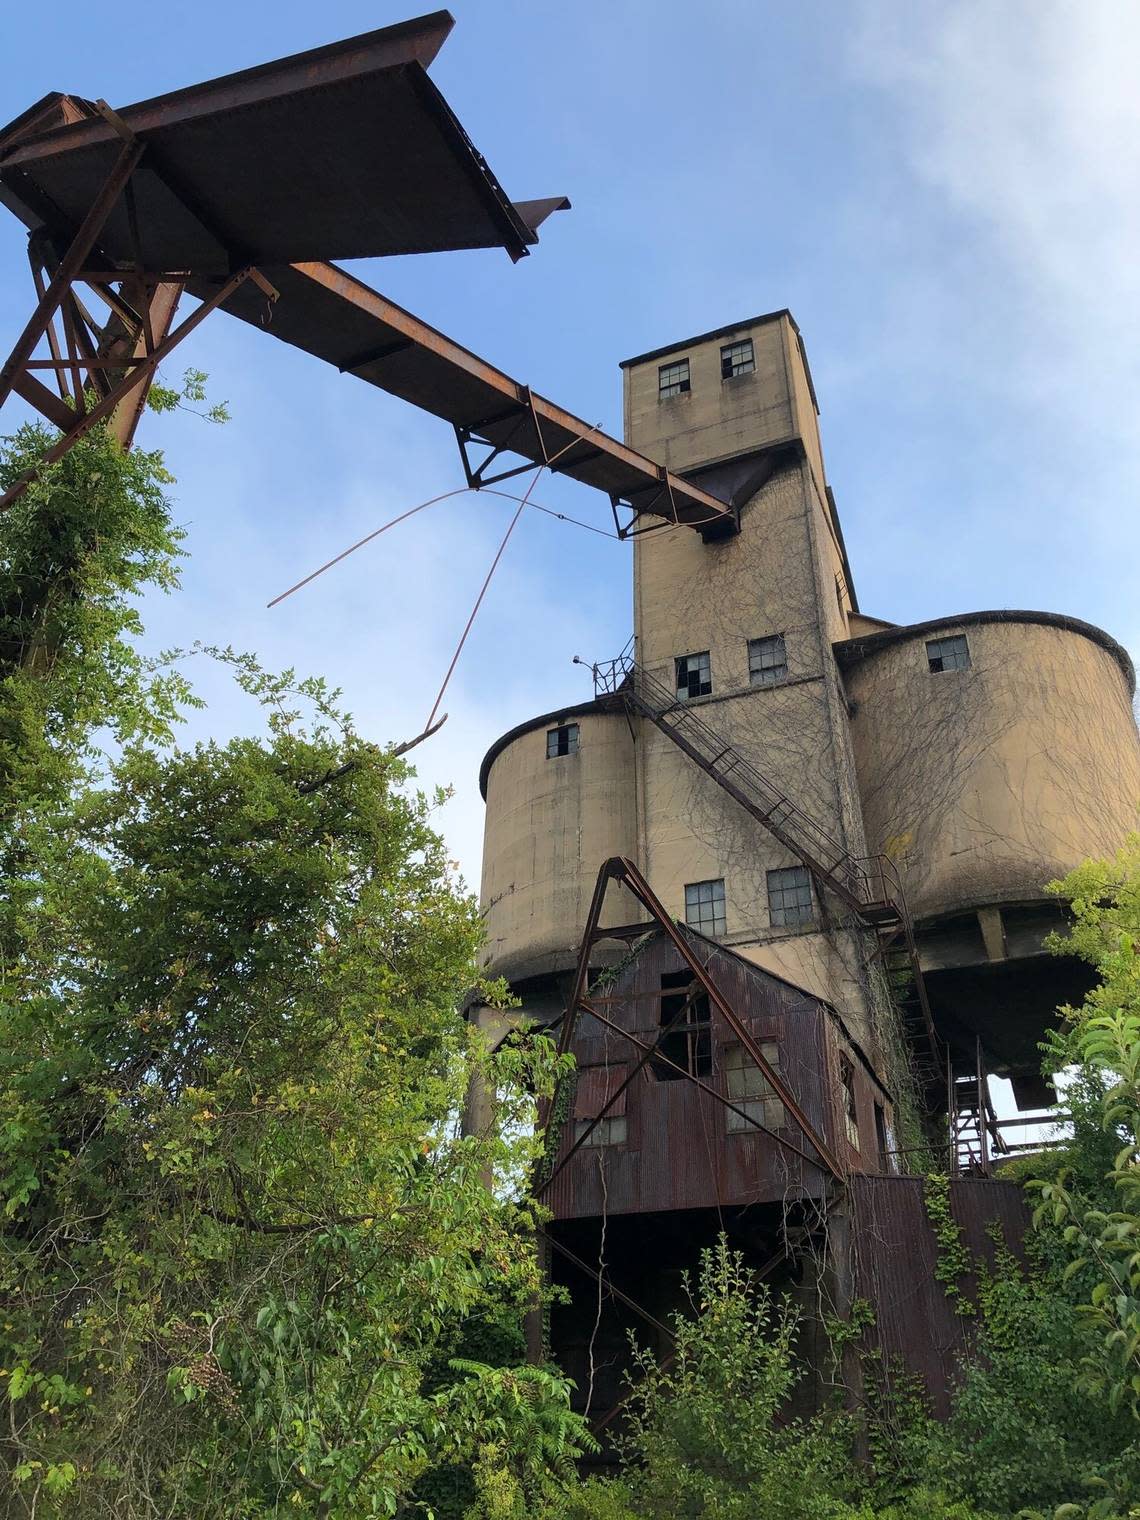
(869, 885)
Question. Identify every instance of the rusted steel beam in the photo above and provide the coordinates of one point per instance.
(547, 414)
(71, 263)
(46, 402)
(140, 373)
(647, 1052)
(622, 870)
(604, 1282)
(159, 315)
(414, 42)
(590, 1006)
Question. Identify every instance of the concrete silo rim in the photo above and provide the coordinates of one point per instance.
(849, 651)
(553, 719)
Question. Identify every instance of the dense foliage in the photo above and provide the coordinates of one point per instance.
(1043, 1415)
(248, 1264)
(238, 1223)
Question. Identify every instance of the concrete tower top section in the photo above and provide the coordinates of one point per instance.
(740, 390)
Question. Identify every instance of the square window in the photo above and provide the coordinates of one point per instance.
(562, 741)
(694, 675)
(948, 654)
(748, 1087)
(789, 896)
(673, 379)
(607, 1131)
(736, 359)
(704, 907)
(767, 660)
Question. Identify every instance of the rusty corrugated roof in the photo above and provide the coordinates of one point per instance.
(346, 151)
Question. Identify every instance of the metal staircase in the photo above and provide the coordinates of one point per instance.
(869, 886)
(974, 1128)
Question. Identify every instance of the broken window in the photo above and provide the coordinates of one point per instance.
(673, 379)
(596, 1086)
(736, 359)
(882, 1142)
(562, 741)
(688, 1044)
(694, 675)
(948, 654)
(704, 907)
(748, 1087)
(767, 660)
(789, 896)
(847, 1094)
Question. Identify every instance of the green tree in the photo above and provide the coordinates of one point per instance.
(236, 1218)
(1100, 1216)
(704, 1434)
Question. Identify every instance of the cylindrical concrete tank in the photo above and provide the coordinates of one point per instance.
(995, 751)
(551, 821)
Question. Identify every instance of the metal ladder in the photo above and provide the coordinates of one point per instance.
(869, 886)
(975, 1132)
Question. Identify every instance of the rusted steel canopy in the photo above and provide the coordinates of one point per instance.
(337, 318)
(347, 151)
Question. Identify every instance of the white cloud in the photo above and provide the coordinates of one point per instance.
(1006, 150)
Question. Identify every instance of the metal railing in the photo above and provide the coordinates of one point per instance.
(870, 885)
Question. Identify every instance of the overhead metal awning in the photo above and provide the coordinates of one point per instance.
(347, 151)
(337, 318)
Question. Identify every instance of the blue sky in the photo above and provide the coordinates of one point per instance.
(945, 196)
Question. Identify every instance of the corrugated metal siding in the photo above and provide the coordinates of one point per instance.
(678, 1154)
(895, 1259)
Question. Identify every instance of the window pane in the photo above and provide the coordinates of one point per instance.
(693, 675)
(608, 1131)
(767, 660)
(705, 908)
(749, 1089)
(562, 741)
(736, 359)
(948, 654)
(789, 896)
(673, 379)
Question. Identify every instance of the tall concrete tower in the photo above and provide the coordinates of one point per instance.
(836, 836)
(981, 754)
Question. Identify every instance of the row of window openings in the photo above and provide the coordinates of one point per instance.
(768, 663)
(767, 666)
(789, 901)
(735, 359)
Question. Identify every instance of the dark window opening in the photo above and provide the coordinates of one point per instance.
(751, 1091)
(948, 654)
(562, 741)
(882, 1145)
(767, 660)
(789, 896)
(704, 907)
(689, 1043)
(673, 379)
(847, 1092)
(694, 675)
(736, 359)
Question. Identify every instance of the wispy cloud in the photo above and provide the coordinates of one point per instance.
(998, 193)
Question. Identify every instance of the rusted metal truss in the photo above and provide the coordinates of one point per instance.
(102, 370)
(624, 873)
(869, 885)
